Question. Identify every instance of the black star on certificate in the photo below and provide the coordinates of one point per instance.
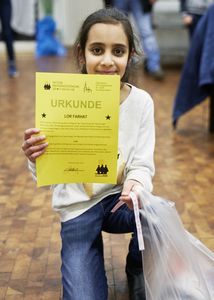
(108, 117)
(43, 115)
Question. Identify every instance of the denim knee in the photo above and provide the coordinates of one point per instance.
(83, 273)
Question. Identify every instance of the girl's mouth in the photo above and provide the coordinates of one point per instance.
(107, 72)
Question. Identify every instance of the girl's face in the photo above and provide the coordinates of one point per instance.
(106, 50)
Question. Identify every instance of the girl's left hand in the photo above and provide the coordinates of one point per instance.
(130, 185)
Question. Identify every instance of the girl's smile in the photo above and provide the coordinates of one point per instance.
(107, 50)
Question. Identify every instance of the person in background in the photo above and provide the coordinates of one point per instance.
(192, 11)
(7, 35)
(108, 3)
(142, 13)
(105, 46)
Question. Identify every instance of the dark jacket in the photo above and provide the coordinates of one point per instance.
(108, 3)
(198, 72)
(146, 5)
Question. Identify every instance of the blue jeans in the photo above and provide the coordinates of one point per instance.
(83, 273)
(146, 32)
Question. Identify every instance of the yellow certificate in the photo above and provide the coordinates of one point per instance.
(79, 114)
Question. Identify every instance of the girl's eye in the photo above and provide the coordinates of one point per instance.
(96, 51)
(119, 52)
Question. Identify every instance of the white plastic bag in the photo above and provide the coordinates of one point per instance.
(177, 266)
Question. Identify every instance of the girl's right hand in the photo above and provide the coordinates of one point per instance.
(33, 145)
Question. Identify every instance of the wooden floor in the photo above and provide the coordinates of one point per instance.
(29, 230)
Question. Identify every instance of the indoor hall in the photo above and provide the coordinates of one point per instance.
(29, 229)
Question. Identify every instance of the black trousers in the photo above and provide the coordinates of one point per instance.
(7, 35)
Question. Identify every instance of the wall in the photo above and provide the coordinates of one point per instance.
(69, 15)
(171, 34)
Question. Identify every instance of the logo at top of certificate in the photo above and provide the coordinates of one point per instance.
(86, 88)
(47, 86)
(102, 170)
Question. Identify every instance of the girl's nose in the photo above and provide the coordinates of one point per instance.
(107, 59)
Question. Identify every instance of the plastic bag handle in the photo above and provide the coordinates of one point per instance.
(137, 221)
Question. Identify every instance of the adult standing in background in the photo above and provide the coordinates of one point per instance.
(192, 11)
(5, 17)
(142, 13)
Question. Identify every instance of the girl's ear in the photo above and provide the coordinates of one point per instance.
(81, 60)
(131, 55)
(81, 56)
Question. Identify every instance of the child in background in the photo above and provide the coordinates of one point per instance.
(105, 46)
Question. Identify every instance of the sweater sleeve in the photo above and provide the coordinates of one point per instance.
(142, 167)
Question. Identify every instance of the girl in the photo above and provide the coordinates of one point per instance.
(105, 46)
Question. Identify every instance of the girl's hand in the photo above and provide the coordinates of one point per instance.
(130, 185)
(33, 145)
